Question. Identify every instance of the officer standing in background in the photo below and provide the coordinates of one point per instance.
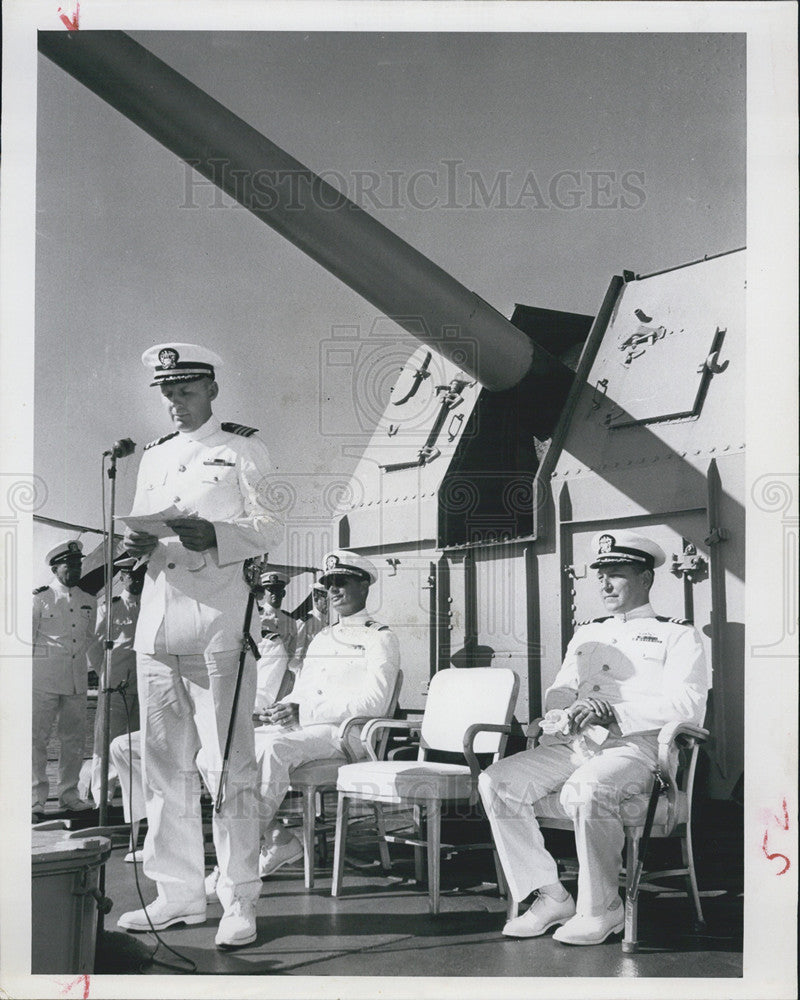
(278, 640)
(63, 627)
(624, 676)
(312, 624)
(122, 667)
(188, 641)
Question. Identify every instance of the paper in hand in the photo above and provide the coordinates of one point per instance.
(153, 524)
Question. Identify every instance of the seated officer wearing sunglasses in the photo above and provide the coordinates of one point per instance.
(350, 669)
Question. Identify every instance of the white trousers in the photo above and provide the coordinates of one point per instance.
(597, 795)
(278, 750)
(126, 760)
(70, 711)
(185, 706)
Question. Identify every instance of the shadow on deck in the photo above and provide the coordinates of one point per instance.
(380, 925)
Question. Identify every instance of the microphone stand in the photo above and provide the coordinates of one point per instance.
(108, 644)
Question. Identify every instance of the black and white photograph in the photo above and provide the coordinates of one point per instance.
(399, 499)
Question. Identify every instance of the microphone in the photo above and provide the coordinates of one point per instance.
(122, 448)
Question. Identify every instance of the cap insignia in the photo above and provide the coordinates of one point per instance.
(605, 543)
(331, 562)
(168, 357)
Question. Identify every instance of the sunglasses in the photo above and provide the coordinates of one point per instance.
(339, 580)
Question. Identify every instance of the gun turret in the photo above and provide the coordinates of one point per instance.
(333, 230)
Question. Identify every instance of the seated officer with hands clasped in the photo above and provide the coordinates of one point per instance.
(350, 669)
(624, 676)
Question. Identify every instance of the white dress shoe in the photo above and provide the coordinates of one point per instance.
(278, 855)
(592, 930)
(137, 856)
(211, 883)
(238, 925)
(162, 914)
(544, 912)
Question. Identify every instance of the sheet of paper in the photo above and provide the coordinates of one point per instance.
(153, 524)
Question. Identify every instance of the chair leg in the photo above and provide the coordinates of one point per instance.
(630, 939)
(433, 819)
(342, 811)
(309, 834)
(691, 877)
(418, 858)
(383, 847)
(502, 885)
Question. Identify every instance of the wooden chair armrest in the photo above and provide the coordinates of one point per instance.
(469, 740)
(345, 729)
(533, 732)
(374, 726)
(668, 737)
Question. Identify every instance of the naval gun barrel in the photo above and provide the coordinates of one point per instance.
(298, 204)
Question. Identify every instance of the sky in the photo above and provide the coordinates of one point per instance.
(532, 167)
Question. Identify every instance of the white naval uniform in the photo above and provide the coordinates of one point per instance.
(63, 627)
(121, 668)
(188, 639)
(652, 671)
(276, 650)
(310, 626)
(351, 669)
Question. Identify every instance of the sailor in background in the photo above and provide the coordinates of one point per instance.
(351, 669)
(278, 640)
(624, 676)
(63, 627)
(124, 713)
(188, 640)
(312, 623)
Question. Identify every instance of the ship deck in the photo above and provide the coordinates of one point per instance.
(380, 925)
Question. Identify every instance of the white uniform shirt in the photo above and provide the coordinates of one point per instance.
(201, 597)
(124, 614)
(277, 626)
(309, 627)
(350, 669)
(652, 670)
(63, 627)
(275, 649)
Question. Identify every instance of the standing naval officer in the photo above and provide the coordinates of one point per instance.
(278, 640)
(63, 627)
(624, 676)
(123, 713)
(312, 624)
(188, 640)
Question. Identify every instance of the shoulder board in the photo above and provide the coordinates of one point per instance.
(593, 621)
(675, 621)
(377, 625)
(239, 429)
(160, 440)
(41, 590)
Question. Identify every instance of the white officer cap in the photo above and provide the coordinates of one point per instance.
(64, 551)
(318, 588)
(272, 578)
(350, 563)
(621, 546)
(180, 362)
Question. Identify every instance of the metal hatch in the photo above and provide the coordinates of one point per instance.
(661, 361)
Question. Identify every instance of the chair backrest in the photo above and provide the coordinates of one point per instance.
(457, 698)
